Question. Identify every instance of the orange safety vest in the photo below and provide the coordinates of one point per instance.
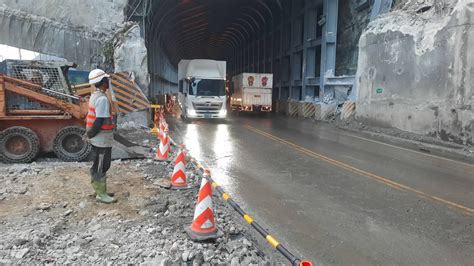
(91, 116)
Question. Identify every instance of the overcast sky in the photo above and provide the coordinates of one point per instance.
(8, 52)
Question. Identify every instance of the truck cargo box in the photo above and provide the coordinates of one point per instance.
(252, 92)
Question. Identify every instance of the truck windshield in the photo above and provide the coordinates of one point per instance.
(207, 87)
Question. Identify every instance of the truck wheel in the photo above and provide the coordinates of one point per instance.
(18, 145)
(69, 146)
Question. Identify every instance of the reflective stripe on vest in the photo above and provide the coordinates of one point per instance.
(91, 117)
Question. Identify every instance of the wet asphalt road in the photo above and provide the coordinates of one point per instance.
(336, 198)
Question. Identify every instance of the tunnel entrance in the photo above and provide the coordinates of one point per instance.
(294, 40)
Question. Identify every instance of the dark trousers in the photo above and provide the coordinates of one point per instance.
(102, 159)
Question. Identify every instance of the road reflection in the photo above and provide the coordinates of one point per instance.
(223, 148)
(192, 141)
(215, 150)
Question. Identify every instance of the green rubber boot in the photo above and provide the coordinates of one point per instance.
(100, 187)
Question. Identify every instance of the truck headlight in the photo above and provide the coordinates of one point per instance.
(192, 113)
(222, 113)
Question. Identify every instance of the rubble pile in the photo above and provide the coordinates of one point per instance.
(49, 214)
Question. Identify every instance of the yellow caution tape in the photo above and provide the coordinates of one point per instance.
(272, 241)
(248, 218)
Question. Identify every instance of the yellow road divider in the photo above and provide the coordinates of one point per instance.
(380, 179)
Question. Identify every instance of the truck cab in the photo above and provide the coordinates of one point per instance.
(202, 92)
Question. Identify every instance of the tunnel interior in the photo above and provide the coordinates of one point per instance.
(293, 39)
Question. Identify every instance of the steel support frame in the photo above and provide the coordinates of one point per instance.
(296, 28)
(329, 43)
(298, 85)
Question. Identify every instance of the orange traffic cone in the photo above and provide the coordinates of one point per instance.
(163, 127)
(204, 225)
(179, 177)
(163, 150)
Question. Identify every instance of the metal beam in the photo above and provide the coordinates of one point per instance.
(328, 48)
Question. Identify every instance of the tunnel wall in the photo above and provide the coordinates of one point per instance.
(163, 74)
(416, 71)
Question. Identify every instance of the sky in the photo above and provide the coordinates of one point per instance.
(9, 52)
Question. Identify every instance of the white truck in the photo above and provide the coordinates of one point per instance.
(252, 92)
(202, 92)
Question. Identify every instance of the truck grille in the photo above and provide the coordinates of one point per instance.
(202, 108)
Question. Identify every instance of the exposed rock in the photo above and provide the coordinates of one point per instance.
(43, 206)
(19, 254)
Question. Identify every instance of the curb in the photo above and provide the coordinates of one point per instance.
(417, 146)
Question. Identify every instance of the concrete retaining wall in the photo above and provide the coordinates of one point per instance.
(416, 72)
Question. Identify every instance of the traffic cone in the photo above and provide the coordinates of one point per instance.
(204, 225)
(179, 177)
(163, 127)
(163, 150)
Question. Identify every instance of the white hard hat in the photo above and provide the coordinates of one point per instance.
(97, 75)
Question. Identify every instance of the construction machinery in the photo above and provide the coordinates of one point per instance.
(40, 111)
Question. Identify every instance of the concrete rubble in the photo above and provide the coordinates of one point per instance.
(49, 215)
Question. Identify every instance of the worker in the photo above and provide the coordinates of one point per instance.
(99, 132)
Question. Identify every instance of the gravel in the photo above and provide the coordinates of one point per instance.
(49, 215)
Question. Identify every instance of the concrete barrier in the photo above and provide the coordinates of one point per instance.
(348, 110)
(306, 109)
(324, 111)
(292, 108)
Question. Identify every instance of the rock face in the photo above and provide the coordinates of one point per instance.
(130, 55)
(71, 30)
(98, 16)
(415, 70)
